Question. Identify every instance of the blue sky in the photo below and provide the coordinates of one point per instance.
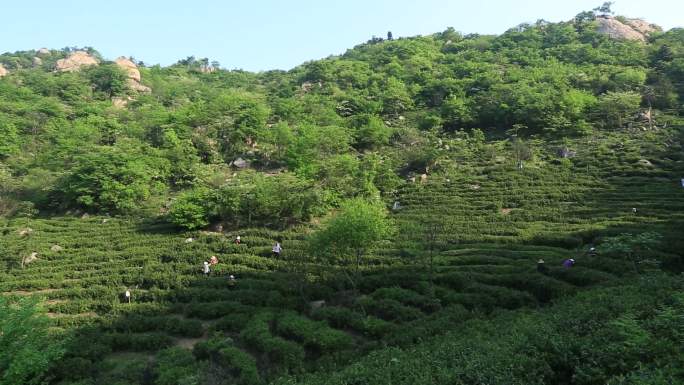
(268, 34)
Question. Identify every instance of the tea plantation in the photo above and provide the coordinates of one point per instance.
(442, 209)
(494, 221)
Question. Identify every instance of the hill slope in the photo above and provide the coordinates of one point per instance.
(493, 152)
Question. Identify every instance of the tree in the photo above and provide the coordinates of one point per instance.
(371, 132)
(614, 107)
(521, 151)
(112, 178)
(281, 136)
(395, 97)
(109, 79)
(605, 8)
(389, 35)
(27, 349)
(664, 54)
(352, 232)
(192, 210)
(634, 247)
(182, 157)
(456, 113)
(8, 137)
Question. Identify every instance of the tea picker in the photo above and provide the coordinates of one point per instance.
(277, 249)
(541, 266)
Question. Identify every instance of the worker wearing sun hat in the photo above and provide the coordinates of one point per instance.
(541, 266)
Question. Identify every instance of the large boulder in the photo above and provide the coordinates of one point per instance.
(133, 74)
(130, 68)
(43, 52)
(239, 163)
(25, 232)
(75, 62)
(119, 102)
(625, 29)
(3, 71)
(29, 259)
(643, 26)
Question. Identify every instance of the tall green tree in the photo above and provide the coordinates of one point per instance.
(9, 138)
(109, 79)
(348, 235)
(614, 108)
(27, 349)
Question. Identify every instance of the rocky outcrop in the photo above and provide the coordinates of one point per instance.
(643, 26)
(239, 163)
(75, 62)
(29, 259)
(630, 29)
(130, 68)
(133, 74)
(37, 62)
(3, 71)
(121, 102)
(43, 52)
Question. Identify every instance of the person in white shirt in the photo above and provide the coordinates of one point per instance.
(277, 249)
(205, 268)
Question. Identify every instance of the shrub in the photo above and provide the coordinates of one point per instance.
(137, 342)
(312, 334)
(111, 179)
(242, 366)
(278, 350)
(192, 210)
(408, 297)
(233, 322)
(388, 309)
(342, 317)
(176, 366)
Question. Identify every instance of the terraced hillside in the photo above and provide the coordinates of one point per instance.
(484, 225)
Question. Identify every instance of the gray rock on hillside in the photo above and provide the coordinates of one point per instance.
(3, 71)
(133, 74)
(631, 29)
(239, 163)
(75, 61)
(29, 259)
(25, 232)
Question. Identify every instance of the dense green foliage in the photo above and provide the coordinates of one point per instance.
(352, 232)
(324, 121)
(27, 349)
(550, 141)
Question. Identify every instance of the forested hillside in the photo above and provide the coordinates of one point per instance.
(414, 184)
